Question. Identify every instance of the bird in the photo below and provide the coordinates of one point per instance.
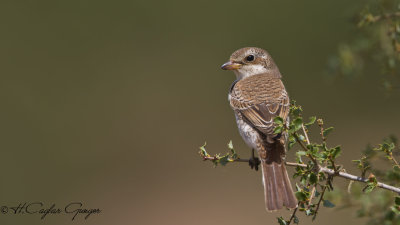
(257, 96)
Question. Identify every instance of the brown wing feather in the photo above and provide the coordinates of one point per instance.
(260, 98)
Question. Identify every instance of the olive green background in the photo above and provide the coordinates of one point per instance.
(107, 102)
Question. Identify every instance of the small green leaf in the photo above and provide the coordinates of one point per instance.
(295, 110)
(298, 187)
(278, 129)
(327, 131)
(313, 178)
(230, 144)
(301, 196)
(370, 187)
(301, 153)
(298, 124)
(278, 120)
(395, 209)
(312, 121)
(292, 141)
(335, 152)
(233, 152)
(224, 160)
(203, 151)
(397, 200)
(296, 219)
(281, 221)
(328, 204)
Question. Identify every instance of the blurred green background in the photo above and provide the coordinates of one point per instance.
(106, 103)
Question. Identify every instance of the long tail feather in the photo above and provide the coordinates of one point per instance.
(277, 187)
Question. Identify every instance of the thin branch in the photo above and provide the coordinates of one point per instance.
(293, 215)
(305, 133)
(329, 172)
(322, 194)
(349, 177)
(333, 165)
(314, 188)
(394, 160)
(321, 126)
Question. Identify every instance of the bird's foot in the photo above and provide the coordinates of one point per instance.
(254, 162)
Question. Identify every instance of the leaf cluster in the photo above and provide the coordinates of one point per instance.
(219, 159)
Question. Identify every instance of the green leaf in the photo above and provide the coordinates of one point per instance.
(296, 219)
(292, 141)
(278, 120)
(203, 151)
(370, 187)
(295, 110)
(328, 204)
(336, 152)
(230, 145)
(313, 178)
(233, 152)
(395, 209)
(301, 196)
(298, 187)
(301, 153)
(313, 148)
(278, 129)
(298, 122)
(224, 160)
(397, 200)
(312, 121)
(327, 131)
(281, 221)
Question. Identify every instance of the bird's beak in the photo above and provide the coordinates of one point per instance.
(231, 66)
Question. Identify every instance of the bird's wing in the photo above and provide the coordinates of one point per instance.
(259, 99)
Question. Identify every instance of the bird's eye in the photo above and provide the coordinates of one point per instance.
(250, 58)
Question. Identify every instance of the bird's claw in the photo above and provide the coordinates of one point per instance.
(254, 162)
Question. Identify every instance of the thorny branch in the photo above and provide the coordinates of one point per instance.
(325, 170)
(293, 216)
(328, 181)
(305, 131)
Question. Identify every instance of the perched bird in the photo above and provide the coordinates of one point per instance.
(257, 96)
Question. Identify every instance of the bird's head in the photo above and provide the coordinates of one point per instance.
(251, 61)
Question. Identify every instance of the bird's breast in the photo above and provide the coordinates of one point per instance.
(248, 133)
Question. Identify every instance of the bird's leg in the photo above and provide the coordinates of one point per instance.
(254, 162)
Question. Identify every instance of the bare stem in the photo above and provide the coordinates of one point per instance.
(322, 194)
(394, 160)
(293, 215)
(305, 133)
(321, 126)
(329, 172)
(314, 186)
(349, 177)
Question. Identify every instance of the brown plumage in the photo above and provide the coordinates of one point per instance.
(257, 97)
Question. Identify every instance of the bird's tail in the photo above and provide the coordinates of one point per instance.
(277, 187)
